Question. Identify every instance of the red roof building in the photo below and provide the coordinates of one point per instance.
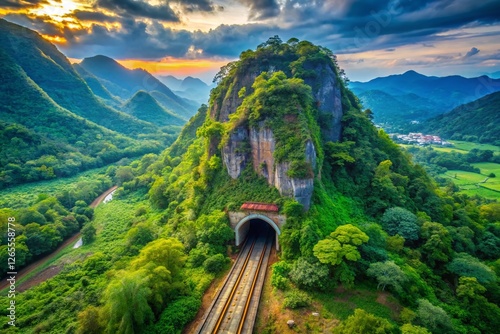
(259, 207)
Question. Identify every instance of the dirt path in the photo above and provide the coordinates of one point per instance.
(35, 265)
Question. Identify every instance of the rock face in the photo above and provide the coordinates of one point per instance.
(326, 92)
(256, 145)
(236, 155)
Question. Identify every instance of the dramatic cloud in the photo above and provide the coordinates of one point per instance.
(472, 52)
(20, 4)
(85, 15)
(140, 9)
(396, 33)
(200, 6)
(262, 9)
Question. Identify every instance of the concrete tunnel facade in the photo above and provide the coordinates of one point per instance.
(241, 221)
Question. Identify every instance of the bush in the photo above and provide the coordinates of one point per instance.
(364, 322)
(401, 221)
(295, 299)
(88, 234)
(176, 316)
(309, 275)
(279, 278)
(214, 264)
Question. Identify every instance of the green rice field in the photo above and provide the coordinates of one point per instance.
(478, 184)
(464, 147)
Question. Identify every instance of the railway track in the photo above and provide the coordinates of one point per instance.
(235, 307)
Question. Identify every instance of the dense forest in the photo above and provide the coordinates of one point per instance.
(397, 101)
(376, 223)
(477, 121)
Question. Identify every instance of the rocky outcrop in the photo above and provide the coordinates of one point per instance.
(237, 155)
(256, 145)
(263, 144)
(326, 92)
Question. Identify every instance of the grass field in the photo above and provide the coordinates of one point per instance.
(467, 146)
(26, 195)
(474, 183)
(462, 147)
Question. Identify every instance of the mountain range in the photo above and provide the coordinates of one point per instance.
(124, 83)
(397, 100)
(189, 87)
(478, 120)
(58, 119)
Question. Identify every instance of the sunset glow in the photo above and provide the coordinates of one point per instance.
(57, 10)
(190, 37)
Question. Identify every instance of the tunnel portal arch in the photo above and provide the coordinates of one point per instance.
(241, 228)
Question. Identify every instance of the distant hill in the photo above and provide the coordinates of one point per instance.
(475, 121)
(52, 72)
(189, 88)
(143, 106)
(124, 83)
(172, 82)
(96, 86)
(422, 97)
(51, 123)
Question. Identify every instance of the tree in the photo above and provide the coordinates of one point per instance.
(214, 229)
(31, 216)
(402, 222)
(127, 308)
(433, 317)
(162, 261)
(469, 288)
(124, 174)
(140, 235)
(437, 247)
(489, 246)
(309, 275)
(364, 322)
(490, 212)
(466, 265)
(412, 329)
(88, 321)
(340, 244)
(88, 234)
(387, 273)
(215, 263)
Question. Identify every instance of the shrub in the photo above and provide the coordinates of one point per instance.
(309, 275)
(215, 263)
(279, 278)
(88, 234)
(295, 299)
(175, 316)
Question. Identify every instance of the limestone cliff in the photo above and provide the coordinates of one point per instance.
(255, 142)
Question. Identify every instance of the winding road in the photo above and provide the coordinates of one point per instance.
(40, 262)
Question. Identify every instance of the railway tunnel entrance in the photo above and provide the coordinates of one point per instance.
(256, 224)
(254, 216)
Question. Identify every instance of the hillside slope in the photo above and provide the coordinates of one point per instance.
(43, 140)
(124, 83)
(399, 99)
(143, 106)
(475, 121)
(53, 73)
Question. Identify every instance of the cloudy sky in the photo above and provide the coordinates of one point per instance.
(195, 37)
